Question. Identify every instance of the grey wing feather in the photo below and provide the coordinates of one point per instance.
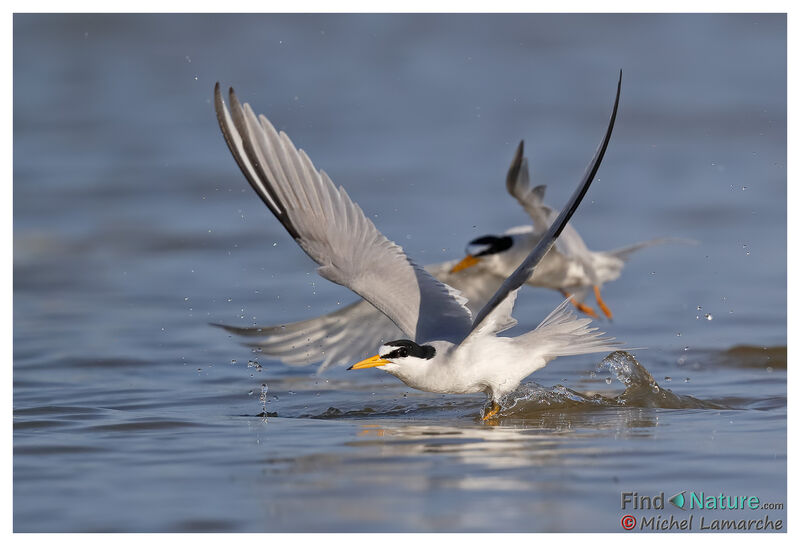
(334, 232)
(342, 337)
(518, 185)
(525, 269)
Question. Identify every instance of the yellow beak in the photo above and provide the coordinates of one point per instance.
(468, 261)
(369, 363)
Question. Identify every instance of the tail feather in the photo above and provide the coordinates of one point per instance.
(625, 252)
(562, 333)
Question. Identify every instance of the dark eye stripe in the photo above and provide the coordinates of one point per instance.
(394, 354)
(406, 348)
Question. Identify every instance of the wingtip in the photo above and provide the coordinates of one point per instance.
(515, 167)
(217, 94)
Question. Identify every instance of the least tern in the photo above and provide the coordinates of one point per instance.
(569, 267)
(446, 350)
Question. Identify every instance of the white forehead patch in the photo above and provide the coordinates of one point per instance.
(475, 249)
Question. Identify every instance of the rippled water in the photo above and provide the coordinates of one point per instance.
(133, 230)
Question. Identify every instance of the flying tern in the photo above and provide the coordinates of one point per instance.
(446, 350)
(569, 267)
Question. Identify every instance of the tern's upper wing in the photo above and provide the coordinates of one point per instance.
(334, 232)
(518, 185)
(523, 272)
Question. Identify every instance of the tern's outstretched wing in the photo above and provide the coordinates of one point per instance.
(334, 232)
(347, 335)
(350, 334)
(518, 184)
(523, 272)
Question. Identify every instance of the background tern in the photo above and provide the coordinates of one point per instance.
(569, 267)
(447, 351)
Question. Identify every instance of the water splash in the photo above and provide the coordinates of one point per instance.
(262, 398)
(641, 391)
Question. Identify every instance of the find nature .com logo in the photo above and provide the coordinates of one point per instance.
(686, 501)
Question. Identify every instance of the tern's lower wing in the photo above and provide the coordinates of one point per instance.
(334, 231)
(345, 336)
(353, 332)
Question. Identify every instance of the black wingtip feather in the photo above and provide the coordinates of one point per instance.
(241, 126)
(516, 165)
(526, 268)
(591, 171)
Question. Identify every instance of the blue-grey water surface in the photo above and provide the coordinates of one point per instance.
(134, 229)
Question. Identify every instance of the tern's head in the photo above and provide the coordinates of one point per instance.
(400, 358)
(479, 248)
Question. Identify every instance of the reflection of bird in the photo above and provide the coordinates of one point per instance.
(448, 351)
(570, 267)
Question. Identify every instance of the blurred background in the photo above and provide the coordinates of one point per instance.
(133, 229)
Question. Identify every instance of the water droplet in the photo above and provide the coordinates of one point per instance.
(699, 307)
(667, 378)
(709, 316)
(233, 361)
(608, 380)
(686, 380)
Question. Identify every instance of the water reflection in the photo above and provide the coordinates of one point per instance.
(521, 442)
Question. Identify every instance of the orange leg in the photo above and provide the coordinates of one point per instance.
(601, 303)
(582, 307)
(494, 410)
